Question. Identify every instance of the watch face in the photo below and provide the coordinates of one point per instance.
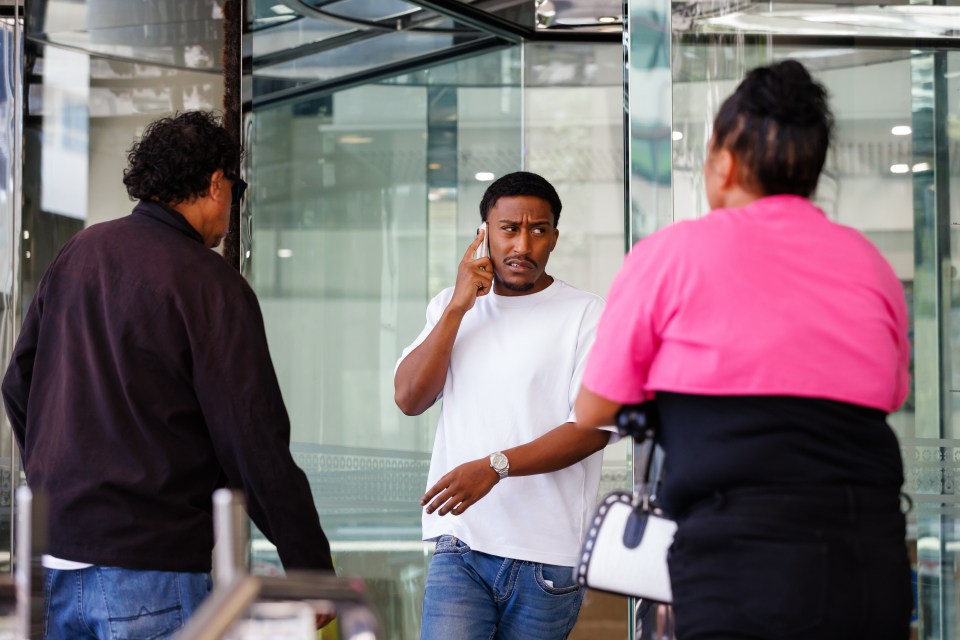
(498, 461)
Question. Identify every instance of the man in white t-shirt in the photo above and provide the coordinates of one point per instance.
(512, 482)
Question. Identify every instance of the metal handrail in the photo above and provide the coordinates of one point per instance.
(235, 590)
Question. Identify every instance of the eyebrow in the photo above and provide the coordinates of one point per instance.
(533, 223)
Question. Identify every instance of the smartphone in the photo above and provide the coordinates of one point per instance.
(483, 251)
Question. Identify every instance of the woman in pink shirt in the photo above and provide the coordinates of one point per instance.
(775, 344)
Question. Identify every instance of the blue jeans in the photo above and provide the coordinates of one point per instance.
(477, 596)
(109, 603)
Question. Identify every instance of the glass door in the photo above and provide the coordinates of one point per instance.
(362, 202)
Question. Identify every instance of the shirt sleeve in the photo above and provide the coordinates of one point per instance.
(239, 394)
(434, 311)
(585, 340)
(19, 374)
(628, 336)
(898, 303)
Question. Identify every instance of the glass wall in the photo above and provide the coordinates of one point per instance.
(356, 224)
(11, 92)
(363, 202)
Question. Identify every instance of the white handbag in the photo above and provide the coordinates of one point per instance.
(625, 551)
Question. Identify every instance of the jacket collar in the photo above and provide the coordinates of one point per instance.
(168, 216)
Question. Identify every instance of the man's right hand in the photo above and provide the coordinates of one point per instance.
(474, 277)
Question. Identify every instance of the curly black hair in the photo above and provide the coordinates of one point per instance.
(521, 183)
(778, 124)
(176, 156)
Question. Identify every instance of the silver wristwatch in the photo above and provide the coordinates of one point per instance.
(500, 464)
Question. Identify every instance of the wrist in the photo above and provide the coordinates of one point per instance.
(500, 464)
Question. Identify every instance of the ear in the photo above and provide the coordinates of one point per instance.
(218, 185)
(553, 241)
(727, 168)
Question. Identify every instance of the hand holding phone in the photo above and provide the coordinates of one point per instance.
(483, 251)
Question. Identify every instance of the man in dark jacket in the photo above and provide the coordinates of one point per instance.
(141, 382)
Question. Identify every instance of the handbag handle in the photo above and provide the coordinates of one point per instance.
(641, 422)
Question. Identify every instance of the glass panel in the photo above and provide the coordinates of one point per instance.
(162, 32)
(649, 191)
(893, 19)
(356, 226)
(294, 34)
(368, 9)
(351, 58)
(84, 113)
(573, 136)
(11, 88)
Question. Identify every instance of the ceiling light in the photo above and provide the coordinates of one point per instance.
(284, 253)
(546, 12)
(677, 135)
(900, 168)
(608, 19)
(901, 130)
(348, 139)
(282, 10)
(921, 166)
(434, 165)
(483, 176)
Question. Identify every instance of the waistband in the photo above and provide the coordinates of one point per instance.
(841, 502)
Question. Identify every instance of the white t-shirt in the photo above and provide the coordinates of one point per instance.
(514, 375)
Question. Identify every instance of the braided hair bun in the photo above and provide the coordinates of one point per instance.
(778, 124)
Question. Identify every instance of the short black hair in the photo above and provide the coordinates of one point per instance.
(521, 183)
(176, 156)
(778, 125)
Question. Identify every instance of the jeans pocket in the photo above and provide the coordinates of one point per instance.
(555, 579)
(141, 605)
(450, 544)
(784, 585)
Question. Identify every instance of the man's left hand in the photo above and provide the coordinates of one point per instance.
(460, 488)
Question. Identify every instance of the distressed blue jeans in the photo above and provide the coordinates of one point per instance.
(477, 596)
(109, 603)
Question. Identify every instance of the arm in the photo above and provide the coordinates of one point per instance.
(240, 396)
(420, 377)
(19, 375)
(471, 481)
(594, 410)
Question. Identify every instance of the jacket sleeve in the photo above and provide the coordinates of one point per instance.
(19, 375)
(238, 392)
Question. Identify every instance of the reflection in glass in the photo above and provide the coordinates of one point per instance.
(161, 32)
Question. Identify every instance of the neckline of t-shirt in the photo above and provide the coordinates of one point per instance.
(528, 300)
(784, 202)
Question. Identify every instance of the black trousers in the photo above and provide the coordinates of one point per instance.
(785, 564)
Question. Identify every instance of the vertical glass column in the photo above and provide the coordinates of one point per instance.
(11, 102)
(648, 117)
(934, 455)
(648, 134)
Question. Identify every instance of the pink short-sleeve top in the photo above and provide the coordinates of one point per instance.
(769, 299)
